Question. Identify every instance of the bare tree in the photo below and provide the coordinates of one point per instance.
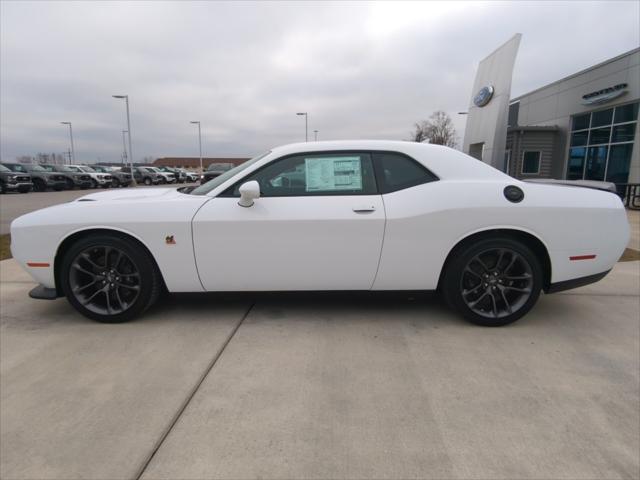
(438, 130)
(418, 134)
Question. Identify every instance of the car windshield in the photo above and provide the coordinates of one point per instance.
(4, 169)
(219, 180)
(87, 169)
(35, 168)
(64, 168)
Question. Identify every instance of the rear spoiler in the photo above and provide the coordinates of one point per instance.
(594, 184)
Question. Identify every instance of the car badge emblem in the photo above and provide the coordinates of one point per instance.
(169, 240)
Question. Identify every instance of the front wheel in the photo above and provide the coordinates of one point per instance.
(493, 282)
(147, 181)
(109, 278)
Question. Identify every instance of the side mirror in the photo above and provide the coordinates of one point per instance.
(249, 191)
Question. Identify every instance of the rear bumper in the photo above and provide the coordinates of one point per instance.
(575, 282)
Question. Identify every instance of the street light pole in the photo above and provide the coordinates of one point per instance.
(315, 135)
(199, 144)
(126, 98)
(306, 125)
(124, 148)
(73, 152)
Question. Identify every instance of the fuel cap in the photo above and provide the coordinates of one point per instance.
(513, 194)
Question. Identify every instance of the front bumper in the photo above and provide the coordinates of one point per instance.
(18, 186)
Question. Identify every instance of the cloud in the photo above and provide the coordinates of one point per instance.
(244, 69)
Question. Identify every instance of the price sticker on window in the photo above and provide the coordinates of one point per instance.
(333, 173)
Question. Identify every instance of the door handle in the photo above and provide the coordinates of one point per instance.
(364, 208)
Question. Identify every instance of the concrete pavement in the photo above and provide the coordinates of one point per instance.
(322, 387)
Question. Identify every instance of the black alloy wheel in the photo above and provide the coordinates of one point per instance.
(493, 282)
(109, 278)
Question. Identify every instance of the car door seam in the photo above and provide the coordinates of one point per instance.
(193, 243)
(384, 232)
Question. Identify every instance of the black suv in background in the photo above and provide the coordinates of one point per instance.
(11, 181)
(40, 178)
(144, 175)
(215, 170)
(118, 177)
(72, 177)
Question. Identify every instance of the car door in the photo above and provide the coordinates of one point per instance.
(318, 225)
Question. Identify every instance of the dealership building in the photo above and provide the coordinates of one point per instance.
(584, 126)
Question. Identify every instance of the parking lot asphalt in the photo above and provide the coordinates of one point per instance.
(321, 386)
(12, 205)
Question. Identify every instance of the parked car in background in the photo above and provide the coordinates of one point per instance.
(118, 177)
(144, 175)
(11, 181)
(364, 215)
(40, 178)
(215, 170)
(190, 176)
(73, 178)
(165, 177)
(180, 176)
(102, 180)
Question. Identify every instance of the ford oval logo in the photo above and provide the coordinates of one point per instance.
(483, 96)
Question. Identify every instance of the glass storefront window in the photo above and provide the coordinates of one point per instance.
(576, 163)
(603, 117)
(610, 134)
(626, 113)
(596, 163)
(623, 133)
(580, 122)
(619, 160)
(579, 139)
(599, 135)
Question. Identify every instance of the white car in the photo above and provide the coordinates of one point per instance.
(352, 215)
(98, 179)
(165, 176)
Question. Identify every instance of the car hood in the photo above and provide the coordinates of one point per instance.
(129, 194)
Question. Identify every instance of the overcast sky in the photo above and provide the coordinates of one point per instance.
(361, 70)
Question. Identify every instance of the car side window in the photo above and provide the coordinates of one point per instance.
(397, 172)
(315, 174)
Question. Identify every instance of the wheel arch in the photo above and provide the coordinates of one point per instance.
(74, 236)
(531, 240)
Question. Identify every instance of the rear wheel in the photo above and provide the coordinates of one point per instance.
(69, 183)
(493, 282)
(115, 183)
(109, 278)
(147, 181)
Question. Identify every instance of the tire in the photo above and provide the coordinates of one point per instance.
(492, 282)
(94, 184)
(3, 188)
(70, 184)
(147, 181)
(129, 296)
(115, 183)
(39, 185)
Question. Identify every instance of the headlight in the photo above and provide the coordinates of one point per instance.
(77, 177)
(11, 178)
(101, 177)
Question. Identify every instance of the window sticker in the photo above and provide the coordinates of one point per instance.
(333, 173)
